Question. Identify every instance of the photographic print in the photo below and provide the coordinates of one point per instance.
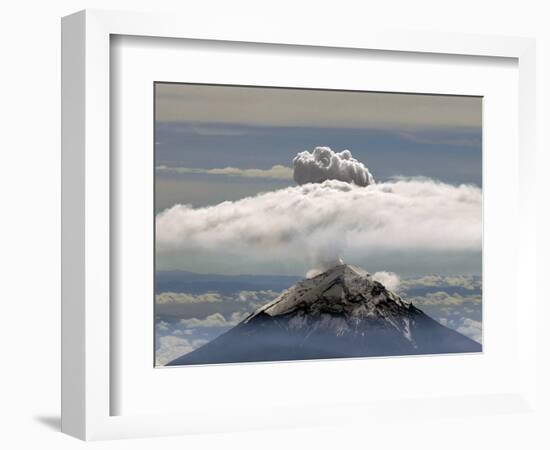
(299, 224)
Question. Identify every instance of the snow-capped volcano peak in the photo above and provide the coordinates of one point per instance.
(344, 287)
(342, 312)
(344, 270)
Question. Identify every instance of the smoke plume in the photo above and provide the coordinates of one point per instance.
(324, 164)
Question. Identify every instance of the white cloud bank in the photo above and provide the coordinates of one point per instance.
(324, 164)
(322, 221)
(276, 172)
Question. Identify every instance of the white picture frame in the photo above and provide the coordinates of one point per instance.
(87, 325)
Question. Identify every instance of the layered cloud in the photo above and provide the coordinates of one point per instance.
(467, 282)
(444, 299)
(178, 337)
(166, 298)
(256, 296)
(322, 221)
(462, 313)
(214, 321)
(435, 282)
(471, 328)
(169, 305)
(170, 347)
(468, 327)
(324, 164)
(276, 172)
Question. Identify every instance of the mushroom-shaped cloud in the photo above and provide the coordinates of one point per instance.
(325, 164)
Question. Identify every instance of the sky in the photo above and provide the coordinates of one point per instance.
(226, 143)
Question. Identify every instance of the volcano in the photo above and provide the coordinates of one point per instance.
(340, 313)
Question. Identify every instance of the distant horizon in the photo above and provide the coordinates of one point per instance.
(476, 274)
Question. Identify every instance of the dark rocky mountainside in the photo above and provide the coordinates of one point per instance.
(340, 313)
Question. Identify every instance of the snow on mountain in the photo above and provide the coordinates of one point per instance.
(342, 312)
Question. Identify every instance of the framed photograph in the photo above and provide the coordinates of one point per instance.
(251, 216)
(261, 242)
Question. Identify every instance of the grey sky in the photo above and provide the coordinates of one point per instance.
(312, 108)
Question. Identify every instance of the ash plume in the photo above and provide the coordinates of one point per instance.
(324, 164)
